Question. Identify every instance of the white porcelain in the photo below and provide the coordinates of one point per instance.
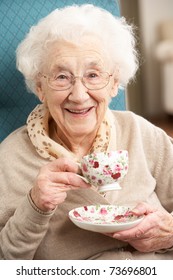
(104, 218)
(105, 170)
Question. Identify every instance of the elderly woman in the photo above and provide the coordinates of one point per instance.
(74, 60)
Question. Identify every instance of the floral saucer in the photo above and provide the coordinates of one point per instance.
(104, 218)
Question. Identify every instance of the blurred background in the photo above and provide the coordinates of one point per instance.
(151, 95)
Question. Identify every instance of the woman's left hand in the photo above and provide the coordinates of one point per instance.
(153, 233)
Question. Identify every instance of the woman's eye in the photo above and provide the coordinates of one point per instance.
(93, 75)
(61, 77)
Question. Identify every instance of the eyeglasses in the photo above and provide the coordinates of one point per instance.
(93, 80)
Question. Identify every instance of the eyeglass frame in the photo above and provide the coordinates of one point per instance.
(74, 80)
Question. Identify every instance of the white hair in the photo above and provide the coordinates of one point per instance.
(70, 24)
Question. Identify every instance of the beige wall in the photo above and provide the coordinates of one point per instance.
(146, 97)
(151, 14)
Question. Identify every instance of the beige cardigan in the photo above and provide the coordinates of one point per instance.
(27, 234)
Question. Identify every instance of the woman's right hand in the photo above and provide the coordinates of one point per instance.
(53, 182)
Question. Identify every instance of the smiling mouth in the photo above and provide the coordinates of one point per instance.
(79, 112)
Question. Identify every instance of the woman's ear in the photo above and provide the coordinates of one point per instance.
(114, 89)
(40, 92)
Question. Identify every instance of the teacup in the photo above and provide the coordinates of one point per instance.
(105, 170)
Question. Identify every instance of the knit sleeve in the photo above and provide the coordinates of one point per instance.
(23, 232)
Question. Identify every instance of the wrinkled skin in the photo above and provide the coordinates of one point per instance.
(54, 181)
(153, 233)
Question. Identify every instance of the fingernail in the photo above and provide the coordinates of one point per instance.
(116, 235)
(135, 211)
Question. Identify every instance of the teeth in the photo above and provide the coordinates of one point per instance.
(79, 111)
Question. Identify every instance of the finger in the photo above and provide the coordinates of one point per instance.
(64, 165)
(68, 179)
(142, 209)
(137, 232)
(108, 234)
(59, 198)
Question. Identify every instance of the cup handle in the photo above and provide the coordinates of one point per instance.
(79, 164)
(83, 178)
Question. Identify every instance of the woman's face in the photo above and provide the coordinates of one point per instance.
(77, 111)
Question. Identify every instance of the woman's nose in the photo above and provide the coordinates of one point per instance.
(78, 93)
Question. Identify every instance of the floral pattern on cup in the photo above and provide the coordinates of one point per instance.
(105, 168)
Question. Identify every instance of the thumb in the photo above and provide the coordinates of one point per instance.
(143, 208)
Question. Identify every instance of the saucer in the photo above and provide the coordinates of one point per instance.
(104, 218)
